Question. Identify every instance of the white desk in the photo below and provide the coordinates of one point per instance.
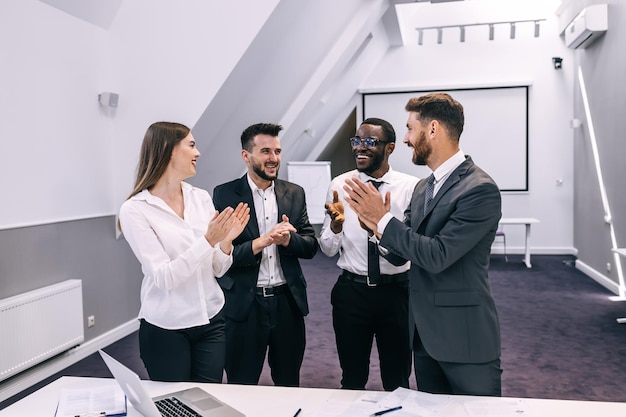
(262, 401)
(526, 221)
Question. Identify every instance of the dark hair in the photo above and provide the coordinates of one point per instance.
(441, 107)
(156, 152)
(248, 135)
(388, 131)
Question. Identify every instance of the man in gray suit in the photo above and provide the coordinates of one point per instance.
(447, 235)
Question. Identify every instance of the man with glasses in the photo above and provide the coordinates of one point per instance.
(370, 298)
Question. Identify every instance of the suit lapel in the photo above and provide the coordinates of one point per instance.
(419, 196)
(245, 196)
(280, 190)
(454, 178)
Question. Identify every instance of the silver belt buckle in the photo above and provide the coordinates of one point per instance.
(265, 294)
(367, 281)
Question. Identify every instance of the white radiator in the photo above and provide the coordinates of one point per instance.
(39, 324)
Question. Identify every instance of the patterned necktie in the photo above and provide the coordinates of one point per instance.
(430, 188)
(373, 254)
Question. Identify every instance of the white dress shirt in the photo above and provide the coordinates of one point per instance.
(351, 242)
(179, 289)
(266, 209)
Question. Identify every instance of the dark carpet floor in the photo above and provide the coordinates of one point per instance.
(560, 338)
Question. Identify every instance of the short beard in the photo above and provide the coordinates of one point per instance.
(420, 159)
(259, 171)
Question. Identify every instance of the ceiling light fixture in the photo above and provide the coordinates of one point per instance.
(512, 23)
(536, 28)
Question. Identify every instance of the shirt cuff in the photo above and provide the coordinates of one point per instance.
(383, 222)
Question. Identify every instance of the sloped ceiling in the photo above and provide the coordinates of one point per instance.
(293, 73)
(98, 12)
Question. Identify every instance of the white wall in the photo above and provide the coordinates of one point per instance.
(68, 158)
(170, 60)
(480, 62)
(65, 157)
(54, 139)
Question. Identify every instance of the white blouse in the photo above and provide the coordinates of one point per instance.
(179, 289)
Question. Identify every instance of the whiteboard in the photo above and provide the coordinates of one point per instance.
(314, 177)
(495, 133)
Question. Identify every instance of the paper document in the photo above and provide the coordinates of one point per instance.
(497, 407)
(92, 401)
(400, 403)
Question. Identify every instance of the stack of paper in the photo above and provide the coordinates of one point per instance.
(107, 400)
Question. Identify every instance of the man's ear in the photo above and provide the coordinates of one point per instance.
(434, 127)
(390, 147)
(244, 156)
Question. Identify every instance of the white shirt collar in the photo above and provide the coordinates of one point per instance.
(444, 170)
(254, 187)
(145, 195)
(385, 178)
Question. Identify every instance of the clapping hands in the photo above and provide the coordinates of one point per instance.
(365, 200)
(281, 233)
(224, 227)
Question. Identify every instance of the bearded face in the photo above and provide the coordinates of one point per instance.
(264, 159)
(421, 149)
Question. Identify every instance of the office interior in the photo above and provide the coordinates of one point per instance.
(69, 157)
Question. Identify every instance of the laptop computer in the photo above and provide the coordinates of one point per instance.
(195, 399)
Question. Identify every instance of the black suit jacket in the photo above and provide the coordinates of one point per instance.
(239, 283)
(449, 248)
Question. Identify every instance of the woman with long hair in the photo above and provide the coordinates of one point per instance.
(183, 245)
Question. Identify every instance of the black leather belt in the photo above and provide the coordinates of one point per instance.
(383, 280)
(272, 291)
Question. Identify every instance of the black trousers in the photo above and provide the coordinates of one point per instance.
(360, 313)
(274, 326)
(193, 354)
(437, 377)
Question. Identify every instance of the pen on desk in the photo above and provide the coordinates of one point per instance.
(389, 410)
(297, 412)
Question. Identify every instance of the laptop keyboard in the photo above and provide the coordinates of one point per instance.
(172, 407)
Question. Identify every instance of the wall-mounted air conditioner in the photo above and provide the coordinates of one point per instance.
(587, 26)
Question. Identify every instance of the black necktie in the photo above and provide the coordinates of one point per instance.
(430, 188)
(373, 264)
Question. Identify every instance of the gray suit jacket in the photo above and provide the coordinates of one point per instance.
(239, 282)
(449, 248)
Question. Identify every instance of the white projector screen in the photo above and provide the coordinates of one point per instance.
(495, 133)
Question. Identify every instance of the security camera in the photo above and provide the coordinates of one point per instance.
(558, 62)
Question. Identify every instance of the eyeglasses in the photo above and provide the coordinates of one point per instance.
(368, 142)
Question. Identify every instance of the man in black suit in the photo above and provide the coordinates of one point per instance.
(265, 289)
(447, 235)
